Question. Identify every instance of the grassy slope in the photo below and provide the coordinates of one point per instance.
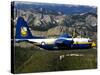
(29, 60)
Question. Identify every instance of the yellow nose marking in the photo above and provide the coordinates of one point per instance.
(93, 44)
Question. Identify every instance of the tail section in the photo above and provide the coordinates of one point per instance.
(22, 29)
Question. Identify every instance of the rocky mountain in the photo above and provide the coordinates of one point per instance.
(42, 22)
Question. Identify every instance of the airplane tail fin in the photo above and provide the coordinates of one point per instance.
(22, 29)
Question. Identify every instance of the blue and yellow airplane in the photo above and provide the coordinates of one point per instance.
(64, 41)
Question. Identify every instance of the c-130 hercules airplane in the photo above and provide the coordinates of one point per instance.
(64, 41)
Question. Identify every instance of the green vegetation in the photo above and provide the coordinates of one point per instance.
(33, 60)
(21, 55)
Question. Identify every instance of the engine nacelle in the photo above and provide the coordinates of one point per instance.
(62, 43)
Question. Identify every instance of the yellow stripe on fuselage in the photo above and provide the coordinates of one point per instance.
(82, 43)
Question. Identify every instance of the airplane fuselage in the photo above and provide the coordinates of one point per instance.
(56, 43)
